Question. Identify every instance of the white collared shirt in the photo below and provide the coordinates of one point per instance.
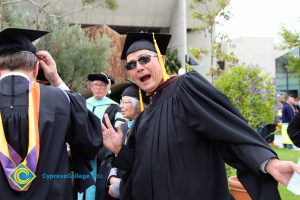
(15, 73)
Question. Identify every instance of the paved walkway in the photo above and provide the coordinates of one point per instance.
(278, 142)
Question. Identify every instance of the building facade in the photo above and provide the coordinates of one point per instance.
(286, 82)
(167, 16)
(256, 51)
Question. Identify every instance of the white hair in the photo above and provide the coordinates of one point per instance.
(135, 103)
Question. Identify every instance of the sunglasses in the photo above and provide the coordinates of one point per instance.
(143, 60)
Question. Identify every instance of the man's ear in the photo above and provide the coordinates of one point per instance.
(36, 69)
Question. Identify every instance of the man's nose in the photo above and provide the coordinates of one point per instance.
(139, 66)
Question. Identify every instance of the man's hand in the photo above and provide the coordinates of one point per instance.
(112, 140)
(114, 188)
(281, 170)
(49, 66)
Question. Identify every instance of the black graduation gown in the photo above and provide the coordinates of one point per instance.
(63, 118)
(180, 142)
(294, 130)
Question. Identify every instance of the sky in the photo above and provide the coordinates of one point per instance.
(261, 18)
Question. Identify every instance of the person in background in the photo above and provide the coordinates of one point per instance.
(294, 130)
(179, 144)
(99, 104)
(288, 112)
(130, 109)
(36, 123)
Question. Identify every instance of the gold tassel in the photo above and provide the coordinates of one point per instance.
(141, 100)
(160, 60)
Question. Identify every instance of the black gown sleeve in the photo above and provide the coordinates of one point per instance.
(209, 112)
(294, 130)
(85, 139)
(85, 128)
(124, 159)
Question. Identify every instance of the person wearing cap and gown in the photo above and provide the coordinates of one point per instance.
(131, 107)
(99, 104)
(179, 145)
(37, 121)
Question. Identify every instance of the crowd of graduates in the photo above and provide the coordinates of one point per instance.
(167, 138)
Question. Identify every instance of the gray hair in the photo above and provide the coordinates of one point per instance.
(135, 103)
(20, 60)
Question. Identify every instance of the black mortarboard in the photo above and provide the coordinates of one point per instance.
(101, 77)
(133, 91)
(137, 41)
(14, 40)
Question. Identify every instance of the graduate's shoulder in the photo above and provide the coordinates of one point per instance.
(52, 91)
(193, 81)
(192, 78)
(57, 94)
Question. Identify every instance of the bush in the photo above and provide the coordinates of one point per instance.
(252, 92)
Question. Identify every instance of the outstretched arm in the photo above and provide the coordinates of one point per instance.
(282, 170)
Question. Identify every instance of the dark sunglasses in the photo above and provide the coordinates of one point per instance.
(143, 60)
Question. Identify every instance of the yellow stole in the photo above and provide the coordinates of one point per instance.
(21, 173)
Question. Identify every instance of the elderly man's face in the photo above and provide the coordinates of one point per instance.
(147, 76)
(99, 89)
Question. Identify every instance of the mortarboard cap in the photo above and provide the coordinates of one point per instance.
(133, 91)
(14, 40)
(101, 77)
(137, 41)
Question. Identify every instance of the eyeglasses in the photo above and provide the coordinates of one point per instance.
(124, 102)
(99, 85)
(143, 60)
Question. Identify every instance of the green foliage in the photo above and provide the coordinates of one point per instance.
(291, 40)
(13, 17)
(110, 4)
(252, 93)
(294, 65)
(198, 53)
(172, 62)
(209, 14)
(75, 54)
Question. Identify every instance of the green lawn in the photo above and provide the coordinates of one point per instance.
(286, 154)
(283, 154)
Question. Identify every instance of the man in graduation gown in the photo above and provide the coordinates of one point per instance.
(181, 142)
(36, 123)
(99, 104)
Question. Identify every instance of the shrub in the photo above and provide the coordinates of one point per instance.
(252, 92)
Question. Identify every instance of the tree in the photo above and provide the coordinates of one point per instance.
(252, 93)
(75, 54)
(172, 62)
(208, 20)
(291, 40)
(48, 7)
